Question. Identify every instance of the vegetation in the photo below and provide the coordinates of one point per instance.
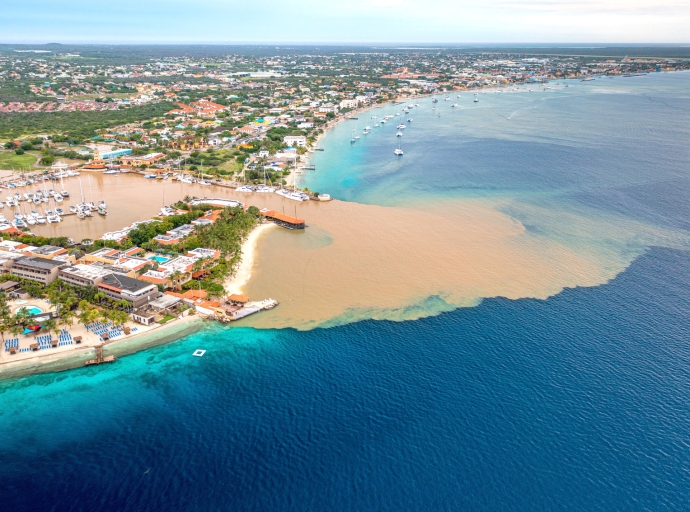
(71, 302)
(11, 160)
(82, 125)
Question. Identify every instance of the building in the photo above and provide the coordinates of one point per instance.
(295, 140)
(349, 104)
(118, 287)
(38, 269)
(138, 161)
(83, 275)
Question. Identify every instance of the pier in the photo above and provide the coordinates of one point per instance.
(99, 357)
(286, 221)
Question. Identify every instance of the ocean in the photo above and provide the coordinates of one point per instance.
(573, 400)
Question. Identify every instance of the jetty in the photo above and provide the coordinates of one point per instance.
(99, 357)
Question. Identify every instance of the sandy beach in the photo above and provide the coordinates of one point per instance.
(237, 282)
(74, 356)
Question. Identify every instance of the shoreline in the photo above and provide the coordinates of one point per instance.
(68, 360)
(47, 361)
(236, 282)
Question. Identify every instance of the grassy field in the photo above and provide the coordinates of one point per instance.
(231, 166)
(10, 160)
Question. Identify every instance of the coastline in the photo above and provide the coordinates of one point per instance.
(235, 284)
(67, 360)
(159, 334)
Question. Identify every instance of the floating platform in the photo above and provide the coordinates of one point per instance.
(199, 353)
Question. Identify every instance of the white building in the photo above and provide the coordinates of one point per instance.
(349, 104)
(295, 140)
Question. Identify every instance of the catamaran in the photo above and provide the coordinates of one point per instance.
(398, 151)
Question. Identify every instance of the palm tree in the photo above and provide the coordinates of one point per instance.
(176, 282)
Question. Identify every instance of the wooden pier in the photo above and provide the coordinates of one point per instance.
(99, 357)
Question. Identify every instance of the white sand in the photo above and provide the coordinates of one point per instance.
(237, 282)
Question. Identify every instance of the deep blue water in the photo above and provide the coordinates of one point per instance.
(579, 402)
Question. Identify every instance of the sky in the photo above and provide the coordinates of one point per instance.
(346, 21)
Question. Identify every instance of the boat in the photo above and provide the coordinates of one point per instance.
(401, 126)
(245, 188)
(58, 198)
(73, 209)
(410, 120)
(454, 105)
(101, 204)
(2, 205)
(60, 211)
(356, 136)
(399, 134)
(151, 176)
(102, 211)
(111, 171)
(265, 189)
(376, 125)
(31, 221)
(80, 215)
(352, 139)
(64, 194)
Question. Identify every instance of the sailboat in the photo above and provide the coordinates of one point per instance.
(398, 151)
(352, 140)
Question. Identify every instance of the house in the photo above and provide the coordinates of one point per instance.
(118, 287)
(38, 269)
(295, 140)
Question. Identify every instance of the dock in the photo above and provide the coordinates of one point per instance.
(286, 221)
(99, 357)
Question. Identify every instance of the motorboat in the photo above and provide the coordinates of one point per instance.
(401, 126)
(399, 134)
(101, 204)
(73, 209)
(245, 188)
(59, 211)
(64, 194)
(410, 120)
(81, 215)
(58, 198)
(398, 151)
(264, 189)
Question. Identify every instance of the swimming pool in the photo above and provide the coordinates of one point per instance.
(31, 309)
(159, 259)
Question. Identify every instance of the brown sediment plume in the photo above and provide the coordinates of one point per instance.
(361, 261)
(357, 261)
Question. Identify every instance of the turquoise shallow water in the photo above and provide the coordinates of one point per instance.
(584, 164)
(578, 402)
